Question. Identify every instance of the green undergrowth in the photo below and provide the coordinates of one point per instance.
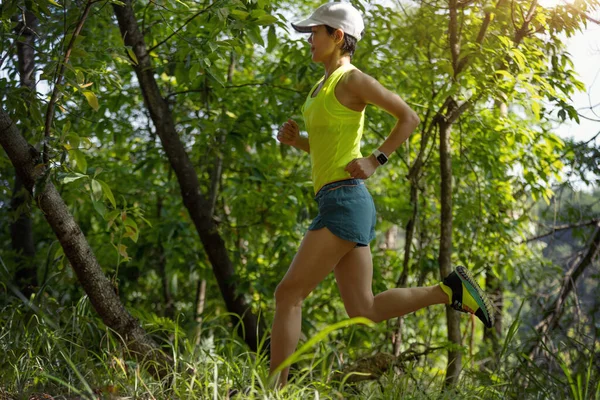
(68, 353)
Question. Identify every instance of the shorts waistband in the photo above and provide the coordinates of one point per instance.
(335, 184)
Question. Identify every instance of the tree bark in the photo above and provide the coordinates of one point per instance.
(21, 230)
(96, 285)
(445, 254)
(195, 202)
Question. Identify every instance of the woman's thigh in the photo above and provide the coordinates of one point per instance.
(317, 256)
(354, 277)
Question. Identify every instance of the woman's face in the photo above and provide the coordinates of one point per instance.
(322, 45)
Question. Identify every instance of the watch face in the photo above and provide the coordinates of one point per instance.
(382, 158)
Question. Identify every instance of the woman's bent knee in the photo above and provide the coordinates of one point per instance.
(286, 295)
(361, 312)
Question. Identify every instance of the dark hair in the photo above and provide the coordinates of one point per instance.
(349, 44)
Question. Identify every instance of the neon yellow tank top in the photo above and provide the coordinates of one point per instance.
(334, 131)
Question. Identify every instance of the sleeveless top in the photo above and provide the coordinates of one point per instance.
(334, 131)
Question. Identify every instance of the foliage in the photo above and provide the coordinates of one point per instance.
(232, 72)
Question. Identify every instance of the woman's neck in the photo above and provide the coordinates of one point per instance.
(334, 63)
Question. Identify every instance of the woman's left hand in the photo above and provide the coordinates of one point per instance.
(362, 168)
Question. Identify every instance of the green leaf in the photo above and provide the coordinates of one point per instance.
(194, 71)
(271, 39)
(100, 208)
(535, 108)
(519, 57)
(79, 52)
(73, 140)
(67, 127)
(222, 13)
(258, 13)
(132, 230)
(506, 74)
(266, 20)
(80, 77)
(216, 76)
(79, 159)
(132, 55)
(111, 216)
(182, 74)
(122, 249)
(130, 222)
(96, 190)
(131, 234)
(108, 193)
(239, 14)
(253, 33)
(91, 99)
(72, 177)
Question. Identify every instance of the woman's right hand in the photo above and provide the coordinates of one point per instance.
(289, 133)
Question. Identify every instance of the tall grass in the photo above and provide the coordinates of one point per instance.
(67, 351)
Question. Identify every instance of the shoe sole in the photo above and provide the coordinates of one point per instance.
(478, 294)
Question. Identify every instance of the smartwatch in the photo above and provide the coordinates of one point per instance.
(381, 158)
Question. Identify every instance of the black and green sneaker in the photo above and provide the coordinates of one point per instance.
(466, 296)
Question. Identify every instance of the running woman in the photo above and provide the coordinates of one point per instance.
(338, 238)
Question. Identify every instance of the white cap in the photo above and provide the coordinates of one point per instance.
(336, 15)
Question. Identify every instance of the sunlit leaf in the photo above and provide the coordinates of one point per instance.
(92, 100)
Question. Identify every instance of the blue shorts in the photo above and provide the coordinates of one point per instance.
(346, 208)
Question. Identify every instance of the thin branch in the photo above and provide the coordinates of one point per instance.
(521, 32)
(555, 310)
(175, 32)
(480, 36)
(559, 228)
(584, 15)
(235, 86)
(581, 108)
(588, 118)
(60, 73)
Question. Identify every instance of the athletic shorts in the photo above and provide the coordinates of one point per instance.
(346, 208)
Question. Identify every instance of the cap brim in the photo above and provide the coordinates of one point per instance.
(306, 25)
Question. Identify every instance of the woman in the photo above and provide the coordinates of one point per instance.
(338, 238)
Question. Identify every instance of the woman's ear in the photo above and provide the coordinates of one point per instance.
(339, 36)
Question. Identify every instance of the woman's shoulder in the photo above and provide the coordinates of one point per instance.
(357, 79)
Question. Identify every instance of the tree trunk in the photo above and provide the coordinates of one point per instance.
(21, 231)
(102, 294)
(445, 255)
(195, 202)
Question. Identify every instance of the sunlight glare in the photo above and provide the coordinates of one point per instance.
(554, 3)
